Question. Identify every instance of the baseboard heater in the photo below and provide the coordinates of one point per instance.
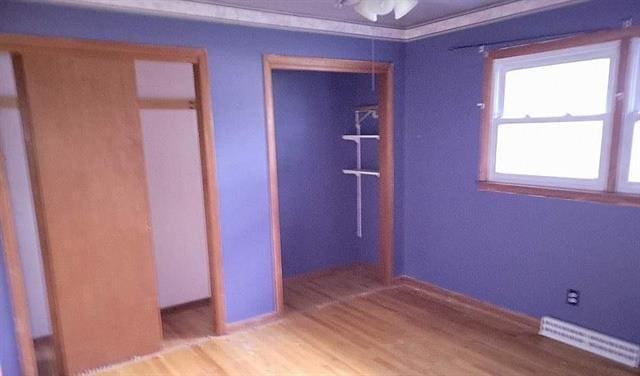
(589, 340)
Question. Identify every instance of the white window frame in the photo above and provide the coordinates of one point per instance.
(631, 116)
(610, 50)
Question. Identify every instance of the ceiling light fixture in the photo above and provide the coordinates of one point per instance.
(402, 7)
(371, 9)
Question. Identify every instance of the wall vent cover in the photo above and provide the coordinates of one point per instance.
(589, 340)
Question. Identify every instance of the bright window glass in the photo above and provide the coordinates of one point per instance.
(634, 168)
(575, 88)
(560, 150)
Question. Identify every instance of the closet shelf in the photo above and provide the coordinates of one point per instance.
(356, 138)
(361, 114)
(373, 107)
(361, 172)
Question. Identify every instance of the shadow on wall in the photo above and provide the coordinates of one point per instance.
(317, 201)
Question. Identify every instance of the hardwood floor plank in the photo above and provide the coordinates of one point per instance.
(345, 323)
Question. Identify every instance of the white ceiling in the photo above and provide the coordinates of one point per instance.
(426, 10)
(430, 17)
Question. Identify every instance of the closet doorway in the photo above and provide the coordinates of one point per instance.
(382, 76)
(169, 120)
(83, 139)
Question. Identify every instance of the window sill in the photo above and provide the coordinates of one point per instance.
(565, 194)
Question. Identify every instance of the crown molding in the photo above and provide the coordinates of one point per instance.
(483, 17)
(248, 17)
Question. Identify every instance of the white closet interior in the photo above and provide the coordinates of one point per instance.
(174, 177)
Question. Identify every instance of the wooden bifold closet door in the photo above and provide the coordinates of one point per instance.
(84, 143)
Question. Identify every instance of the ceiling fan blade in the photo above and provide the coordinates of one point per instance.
(385, 6)
(371, 9)
(402, 7)
(367, 9)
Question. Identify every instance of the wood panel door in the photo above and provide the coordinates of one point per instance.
(84, 144)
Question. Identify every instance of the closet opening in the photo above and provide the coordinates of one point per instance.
(331, 179)
(169, 121)
(74, 316)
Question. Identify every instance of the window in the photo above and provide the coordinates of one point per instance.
(629, 163)
(555, 121)
(552, 117)
(634, 168)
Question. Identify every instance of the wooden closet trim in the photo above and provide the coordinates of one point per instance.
(165, 104)
(384, 73)
(23, 43)
(210, 189)
(17, 44)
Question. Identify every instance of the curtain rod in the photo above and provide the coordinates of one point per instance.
(538, 38)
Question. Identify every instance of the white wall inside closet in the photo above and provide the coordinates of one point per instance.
(21, 197)
(174, 177)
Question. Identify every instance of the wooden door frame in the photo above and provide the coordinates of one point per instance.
(384, 74)
(17, 44)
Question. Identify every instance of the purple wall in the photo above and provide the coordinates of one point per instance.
(515, 251)
(8, 351)
(235, 64)
(315, 197)
(317, 201)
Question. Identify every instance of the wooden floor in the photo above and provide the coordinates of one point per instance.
(347, 324)
(315, 290)
(45, 356)
(184, 325)
(180, 326)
